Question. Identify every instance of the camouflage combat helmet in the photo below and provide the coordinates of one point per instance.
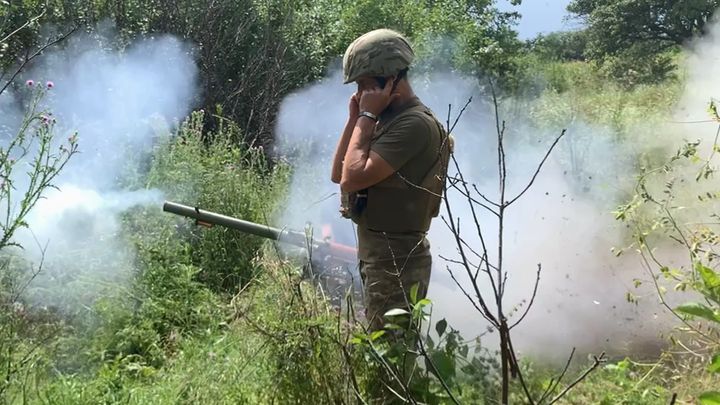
(380, 52)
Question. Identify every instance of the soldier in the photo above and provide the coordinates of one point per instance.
(391, 163)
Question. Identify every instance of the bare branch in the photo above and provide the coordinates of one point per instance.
(484, 311)
(516, 366)
(436, 372)
(554, 382)
(598, 360)
(462, 110)
(456, 233)
(539, 167)
(502, 163)
(664, 302)
(478, 229)
(470, 199)
(485, 198)
(27, 60)
(532, 299)
(351, 370)
(26, 24)
(451, 260)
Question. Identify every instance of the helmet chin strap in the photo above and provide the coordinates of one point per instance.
(401, 75)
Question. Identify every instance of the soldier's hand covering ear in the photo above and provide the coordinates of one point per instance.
(354, 106)
(376, 100)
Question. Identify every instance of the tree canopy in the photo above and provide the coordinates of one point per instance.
(631, 38)
(271, 47)
(617, 25)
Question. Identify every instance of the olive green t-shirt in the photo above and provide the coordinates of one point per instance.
(409, 143)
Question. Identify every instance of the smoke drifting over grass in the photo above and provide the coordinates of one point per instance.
(556, 223)
(117, 102)
(564, 222)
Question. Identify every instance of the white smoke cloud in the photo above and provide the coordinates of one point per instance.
(564, 222)
(117, 102)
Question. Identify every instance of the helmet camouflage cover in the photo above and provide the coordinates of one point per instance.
(380, 52)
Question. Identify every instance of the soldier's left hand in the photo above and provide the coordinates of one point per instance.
(376, 100)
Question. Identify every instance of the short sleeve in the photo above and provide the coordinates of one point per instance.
(404, 139)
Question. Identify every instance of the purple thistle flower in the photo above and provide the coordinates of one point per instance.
(50, 84)
(30, 83)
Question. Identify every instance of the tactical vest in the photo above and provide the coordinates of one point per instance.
(399, 204)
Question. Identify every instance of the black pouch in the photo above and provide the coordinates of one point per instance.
(353, 204)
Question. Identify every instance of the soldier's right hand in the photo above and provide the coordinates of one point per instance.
(354, 106)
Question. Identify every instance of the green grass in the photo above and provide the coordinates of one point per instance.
(212, 316)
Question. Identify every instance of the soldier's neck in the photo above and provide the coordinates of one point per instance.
(406, 95)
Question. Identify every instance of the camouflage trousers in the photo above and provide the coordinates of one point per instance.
(387, 284)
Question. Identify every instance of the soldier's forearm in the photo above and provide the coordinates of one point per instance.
(341, 150)
(358, 150)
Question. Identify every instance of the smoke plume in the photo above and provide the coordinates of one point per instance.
(117, 102)
(564, 222)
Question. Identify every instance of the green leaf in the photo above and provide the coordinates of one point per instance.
(714, 366)
(444, 366)
(699, 310)
(359, 338)
(375, 335)
(396, 312)
(711, 281)
(424, 302)
(414, 293)
(452, 342)
(440, 327)
(430, 343)
(710, 398)
(710, 278)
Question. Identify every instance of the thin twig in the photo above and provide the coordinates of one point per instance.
(505, 358)
(462, 110)
(393, 375)
(598, 360)
(486, 313)
(353, 379)
(34, 55)
(477, 228)
(532, 299)
(483, 311)
(436, 372)
(471, 199)
(27, 23)
(539, 167)
(451, 260)
(554, 382)
(661, 297)
(485, 198)
(516, 366)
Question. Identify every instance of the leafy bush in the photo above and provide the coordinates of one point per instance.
(180, 265)
(216, 173)
(676, 202)
(183, 274)
(30, 160)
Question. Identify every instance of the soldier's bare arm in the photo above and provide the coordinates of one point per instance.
(341, 149)
(363, 167)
